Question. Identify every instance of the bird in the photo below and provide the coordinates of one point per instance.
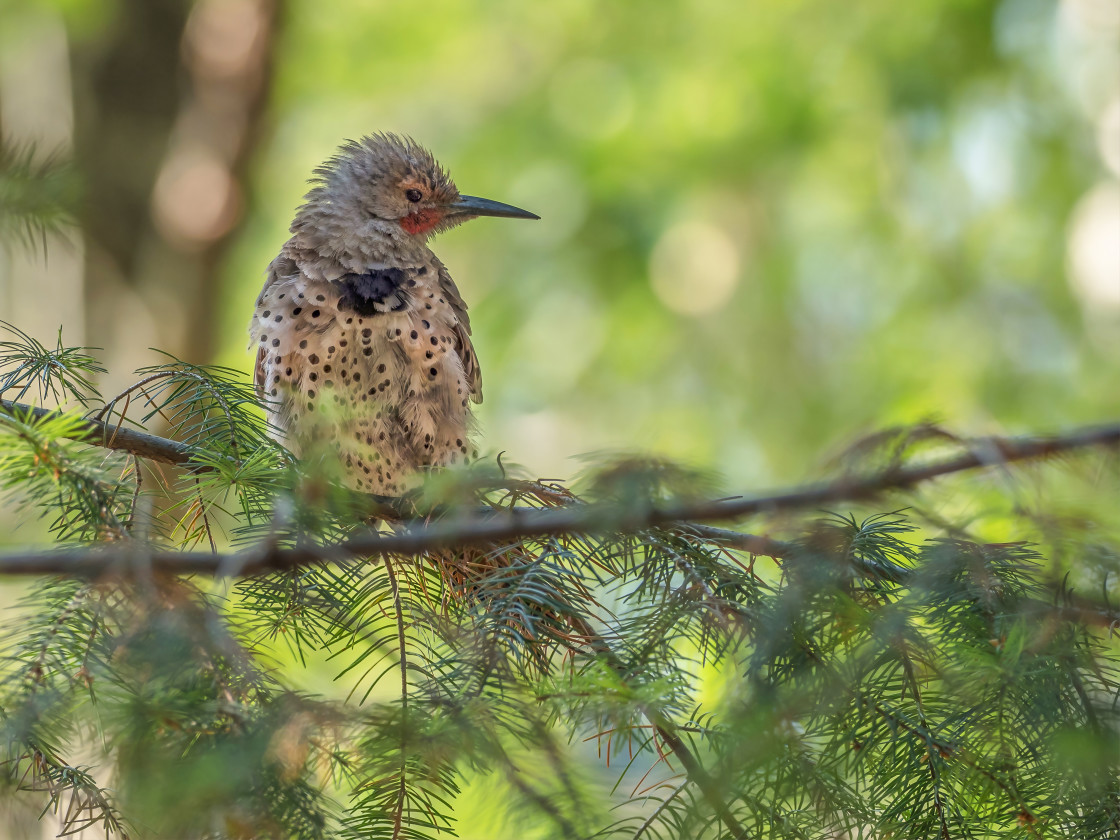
(363, 340)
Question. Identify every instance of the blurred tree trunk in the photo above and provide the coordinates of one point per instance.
(169, 101)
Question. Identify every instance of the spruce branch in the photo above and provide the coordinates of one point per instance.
(32, 367)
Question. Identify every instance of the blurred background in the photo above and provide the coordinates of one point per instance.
(768, 227)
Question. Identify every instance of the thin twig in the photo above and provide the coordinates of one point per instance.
(126, 395)
(136, 471)
(658, 810)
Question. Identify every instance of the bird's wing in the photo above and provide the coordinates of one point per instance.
(281, 270)
(462, 333)
(258, 374)
(255, 332)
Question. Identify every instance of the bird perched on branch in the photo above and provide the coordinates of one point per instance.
(363, 338)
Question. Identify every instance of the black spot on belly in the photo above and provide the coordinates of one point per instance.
(360, 292)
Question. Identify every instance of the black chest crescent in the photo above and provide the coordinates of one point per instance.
(381, 290)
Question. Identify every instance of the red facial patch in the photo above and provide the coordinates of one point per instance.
(422, 221)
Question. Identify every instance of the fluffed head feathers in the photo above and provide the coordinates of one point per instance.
(385, 185)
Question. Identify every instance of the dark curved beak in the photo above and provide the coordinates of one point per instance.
(472, 205)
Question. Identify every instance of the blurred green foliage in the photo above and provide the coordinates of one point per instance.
(881, 192)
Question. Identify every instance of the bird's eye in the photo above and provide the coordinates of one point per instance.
(413, 195)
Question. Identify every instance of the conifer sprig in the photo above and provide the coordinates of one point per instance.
(38, 195)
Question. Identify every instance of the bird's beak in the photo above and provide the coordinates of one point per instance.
(471, 205)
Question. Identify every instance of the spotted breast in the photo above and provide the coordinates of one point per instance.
(378, 364)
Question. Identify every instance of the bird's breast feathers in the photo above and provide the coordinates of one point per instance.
(385, 351)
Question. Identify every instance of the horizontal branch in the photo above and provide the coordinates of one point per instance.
(111, 435)
(418, 537)
(984, 452)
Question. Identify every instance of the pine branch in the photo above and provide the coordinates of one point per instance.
(119, 558)
(985, 452)
(57, 373)
(112, 436)
(38, 194)
(418, 537)
(667, 730)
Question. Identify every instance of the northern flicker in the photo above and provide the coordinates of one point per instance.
(363, 339)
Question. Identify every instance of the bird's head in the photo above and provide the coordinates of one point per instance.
(388, 185)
